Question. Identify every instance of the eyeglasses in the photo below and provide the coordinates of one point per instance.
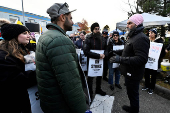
(129, 23)
(65, 4)
(81, 35)
(115, 35)
(97, 28)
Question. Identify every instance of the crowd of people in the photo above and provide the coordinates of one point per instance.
(61, 82)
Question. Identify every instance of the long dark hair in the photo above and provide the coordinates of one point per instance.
(12, 48)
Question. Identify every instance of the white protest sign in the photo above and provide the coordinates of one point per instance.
(117, 47)
(37, 36)
(95, 65)
(83, 61)
(78, 51)
(154, 53)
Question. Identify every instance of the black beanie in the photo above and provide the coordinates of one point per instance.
(105, 31)
(10, 31)
(94, 25)
(115, 32)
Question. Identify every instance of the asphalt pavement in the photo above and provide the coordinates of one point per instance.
(155, 103)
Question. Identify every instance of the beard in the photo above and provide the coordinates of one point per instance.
(96, 34)
(67, 25)
(131, 31)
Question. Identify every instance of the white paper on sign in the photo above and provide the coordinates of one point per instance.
(78, 51)
(115, 65)
(30, 66)
(154, 53)
(95, 65)
(117, 47)
(83, 61)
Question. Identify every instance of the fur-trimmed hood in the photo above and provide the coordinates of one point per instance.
(159, 40)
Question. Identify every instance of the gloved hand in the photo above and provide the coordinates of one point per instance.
(118, 52)
(115, 59)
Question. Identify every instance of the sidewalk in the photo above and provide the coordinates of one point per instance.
(161, 91)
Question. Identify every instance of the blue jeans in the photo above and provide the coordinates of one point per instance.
(111, 73)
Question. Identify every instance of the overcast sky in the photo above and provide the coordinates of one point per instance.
(105, 12)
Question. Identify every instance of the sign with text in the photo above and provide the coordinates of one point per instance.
(117, 47)
(95, 65)
(83, 61)
(154, 53)
(78, 51)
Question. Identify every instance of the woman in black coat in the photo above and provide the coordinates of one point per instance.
(14, 97)
(151, 81)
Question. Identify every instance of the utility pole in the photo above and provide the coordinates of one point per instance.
(23, 13)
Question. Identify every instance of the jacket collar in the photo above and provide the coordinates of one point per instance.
(119, 41)
(55, 27)
(137, 30)
(93, 36)
(80, 39)
(157, 39)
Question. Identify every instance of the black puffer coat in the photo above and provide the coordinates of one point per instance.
(135, 54)
(14, 97)
(94, 43)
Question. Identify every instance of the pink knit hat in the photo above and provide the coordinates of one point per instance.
(137, 19)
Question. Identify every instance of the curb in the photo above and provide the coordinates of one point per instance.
(161, 91)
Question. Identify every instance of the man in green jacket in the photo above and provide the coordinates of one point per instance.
(58, 76)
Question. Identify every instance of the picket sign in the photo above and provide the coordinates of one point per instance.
(117, 47)
(154, 53)
(95, 67)
(83, 61)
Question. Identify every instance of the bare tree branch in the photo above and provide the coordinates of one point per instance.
(130, 7)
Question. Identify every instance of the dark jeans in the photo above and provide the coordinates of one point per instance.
(90, 83)
(132, 87)
(150, 82)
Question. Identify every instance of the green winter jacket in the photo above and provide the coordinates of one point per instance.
(59, 84)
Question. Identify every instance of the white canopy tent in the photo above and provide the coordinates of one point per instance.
(149, 20)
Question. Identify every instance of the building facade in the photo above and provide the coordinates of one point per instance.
(16, 15)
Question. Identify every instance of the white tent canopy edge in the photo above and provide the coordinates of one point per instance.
(149, 20)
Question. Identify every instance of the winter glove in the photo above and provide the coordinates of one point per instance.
(118, 52)
(115, 59)
(119, 59)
